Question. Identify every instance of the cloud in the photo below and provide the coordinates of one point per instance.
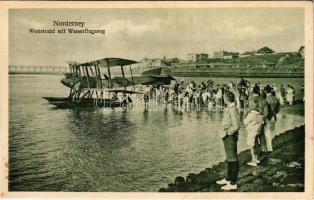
(119, 26)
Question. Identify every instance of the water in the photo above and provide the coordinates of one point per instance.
(112, 150)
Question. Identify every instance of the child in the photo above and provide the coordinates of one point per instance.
(180, 101)
(146, 102)
(253, 123)
(186, 102)
(205, 98)
(197, 100)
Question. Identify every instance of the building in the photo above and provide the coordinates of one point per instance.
(265, 50)
(194, 57)
(156, 62)
(225, 55)
(247, 54)
(170, 61)
(149, 63)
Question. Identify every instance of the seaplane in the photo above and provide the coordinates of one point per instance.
(90, 87)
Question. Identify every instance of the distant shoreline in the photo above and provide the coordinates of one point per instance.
(30, 73)
(211, 74)
(237, 75)
(254, 72)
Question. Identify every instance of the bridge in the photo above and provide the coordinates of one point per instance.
(20, 69)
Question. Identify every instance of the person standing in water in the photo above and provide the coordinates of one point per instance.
(282, 96)
(146, 98)
(229, 134)
(77, 91)
(290, 95)
(219, 98)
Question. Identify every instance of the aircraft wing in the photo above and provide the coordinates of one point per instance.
(153, 80)
(144, 80)
(111, 62)
(123, 91)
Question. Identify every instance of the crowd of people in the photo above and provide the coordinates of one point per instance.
(262, 104)
(209, 96)
(263, 108)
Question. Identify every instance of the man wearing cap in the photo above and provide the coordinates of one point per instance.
(229, 134)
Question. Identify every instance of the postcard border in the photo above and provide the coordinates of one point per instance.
(309, 175)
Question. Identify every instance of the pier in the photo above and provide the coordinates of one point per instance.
(23, 69)
(37, 69)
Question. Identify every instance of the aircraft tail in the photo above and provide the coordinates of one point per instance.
(151, 72)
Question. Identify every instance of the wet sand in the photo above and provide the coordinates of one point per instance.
(282, 171)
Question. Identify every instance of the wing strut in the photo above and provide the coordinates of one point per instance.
(123, 76)
(87, 76)
(109, 74)
(132, 78)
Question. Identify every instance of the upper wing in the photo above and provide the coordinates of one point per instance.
(111, 62)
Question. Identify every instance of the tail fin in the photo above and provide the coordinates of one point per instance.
(156, 71)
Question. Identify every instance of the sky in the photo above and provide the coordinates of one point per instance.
(151, 33)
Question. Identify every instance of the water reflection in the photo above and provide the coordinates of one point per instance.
(105, 128)
(145, 114)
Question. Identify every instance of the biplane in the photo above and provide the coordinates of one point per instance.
(89, 86)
